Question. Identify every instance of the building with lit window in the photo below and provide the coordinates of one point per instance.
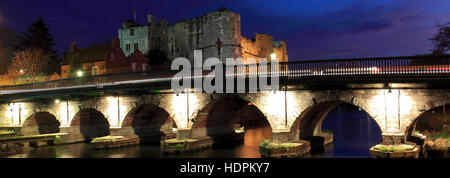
(103, 59)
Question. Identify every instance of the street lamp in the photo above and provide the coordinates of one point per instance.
(273, 56)
(79, 73)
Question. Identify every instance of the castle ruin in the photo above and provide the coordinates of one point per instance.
(219, 28)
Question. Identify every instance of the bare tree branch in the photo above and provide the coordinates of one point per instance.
(29, 64)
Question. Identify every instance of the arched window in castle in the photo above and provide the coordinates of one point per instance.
(132, 32)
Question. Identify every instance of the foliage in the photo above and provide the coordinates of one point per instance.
(383, 149)
(268, 144)
(265, 143)
(6, 56)
(106, 138)
(441, 40)
(179, 145)
(29, 64)
(327, 131)
(57, 139)
(393, 148)
(157, 59)
(38, 36)
(75, 66)
(439, 135)
(239, 130)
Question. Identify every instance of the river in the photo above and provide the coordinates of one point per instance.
(354, 133)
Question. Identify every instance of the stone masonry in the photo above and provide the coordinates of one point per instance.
(393, 110)
(202, 33)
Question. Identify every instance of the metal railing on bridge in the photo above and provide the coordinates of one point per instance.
(409, 66)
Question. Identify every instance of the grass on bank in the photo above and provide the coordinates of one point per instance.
(440, 135)
(106, 138)
(268, 144)
(394, 148)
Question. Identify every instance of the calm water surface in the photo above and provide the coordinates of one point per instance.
(354, 133)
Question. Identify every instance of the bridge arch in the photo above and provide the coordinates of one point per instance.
(224, 115)
(90, 123)
(434, 119)
(40, 123)
(308, 123)
(148, 122)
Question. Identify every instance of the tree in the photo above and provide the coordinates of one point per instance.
(157, 59)
(6, 55)
(441, 40)
(29, 64)
(38, 36)
(75, 66)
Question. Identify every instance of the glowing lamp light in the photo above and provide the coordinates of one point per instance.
(57, 101)
(273, 56)
(80, 73)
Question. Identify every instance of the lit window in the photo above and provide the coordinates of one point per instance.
(94, 71)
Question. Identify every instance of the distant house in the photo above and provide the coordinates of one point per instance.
(104, 59)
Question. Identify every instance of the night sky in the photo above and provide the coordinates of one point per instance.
(312, 29)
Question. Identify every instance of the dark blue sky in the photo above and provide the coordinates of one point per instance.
(313, 29)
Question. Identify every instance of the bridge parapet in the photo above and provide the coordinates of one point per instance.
(381, 69)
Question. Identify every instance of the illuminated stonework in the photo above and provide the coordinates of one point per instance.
(393, 110)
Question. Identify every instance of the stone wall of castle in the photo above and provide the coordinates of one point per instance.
(262, 46)
(202, 33)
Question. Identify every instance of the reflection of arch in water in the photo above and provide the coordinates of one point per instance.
(309, 123)
(40, 123)
(148, 122)
(91, 123)
(222, 117)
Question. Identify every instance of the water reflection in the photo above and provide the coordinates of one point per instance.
(249, 149)
(354, 133)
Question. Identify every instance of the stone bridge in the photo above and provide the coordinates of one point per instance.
(394, 92)
(291, 114)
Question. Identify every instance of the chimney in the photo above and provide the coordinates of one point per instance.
(115, 42)
(73, 46)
